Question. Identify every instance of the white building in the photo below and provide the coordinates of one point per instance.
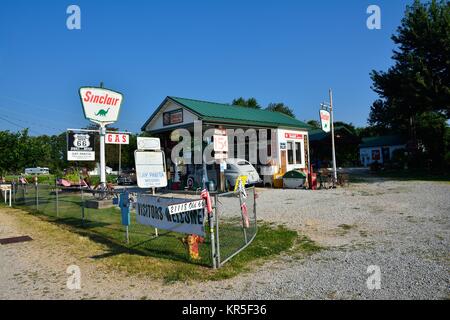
(379, 149)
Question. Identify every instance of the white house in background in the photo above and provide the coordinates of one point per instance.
(380, 148)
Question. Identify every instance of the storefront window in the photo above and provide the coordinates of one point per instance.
(290, 153)
(298, 153)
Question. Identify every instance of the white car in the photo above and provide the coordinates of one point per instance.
(241, 167)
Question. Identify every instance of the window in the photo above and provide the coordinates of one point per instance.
(298, 153)
(290, 153)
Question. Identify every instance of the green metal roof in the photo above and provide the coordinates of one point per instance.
(226, 113)
(381, 141)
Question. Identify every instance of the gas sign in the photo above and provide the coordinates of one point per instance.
(100, 105)
(117, 138)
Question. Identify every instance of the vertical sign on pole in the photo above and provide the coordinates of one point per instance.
(101, 106)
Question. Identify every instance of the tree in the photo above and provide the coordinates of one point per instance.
(281, 107)
(414, 92)
(249, 103)
(313, 124)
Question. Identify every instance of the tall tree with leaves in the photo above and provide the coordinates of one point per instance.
(281, 107)
(249, 103)
(415, 91)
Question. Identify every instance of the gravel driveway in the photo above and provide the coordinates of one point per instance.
(400, 227)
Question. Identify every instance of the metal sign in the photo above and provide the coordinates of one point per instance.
(80, 146)
(186, 206)
(100, 105)
(325, 120)
(117, 138)
(153, 211)
(144, 143)
(220, 143)
(150, 169)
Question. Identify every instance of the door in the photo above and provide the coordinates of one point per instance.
(283, 161)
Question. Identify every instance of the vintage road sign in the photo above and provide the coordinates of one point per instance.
(100, 105)
(325, 120)
(117, 138)
(80, 146)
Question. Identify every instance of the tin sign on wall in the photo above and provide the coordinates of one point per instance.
(100, 105)
(80, 146)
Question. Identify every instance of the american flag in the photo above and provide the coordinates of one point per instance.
(205, 196)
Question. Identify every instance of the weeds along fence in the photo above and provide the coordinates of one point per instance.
(233, 230)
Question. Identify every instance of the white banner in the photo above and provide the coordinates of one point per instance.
(325, 120)
(153, 211)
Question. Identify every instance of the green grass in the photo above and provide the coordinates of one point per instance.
(163, 257)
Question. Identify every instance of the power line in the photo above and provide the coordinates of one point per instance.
(18, 125)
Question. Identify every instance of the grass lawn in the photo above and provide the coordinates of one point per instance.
(162, 257)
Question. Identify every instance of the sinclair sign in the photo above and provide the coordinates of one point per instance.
(101, 105)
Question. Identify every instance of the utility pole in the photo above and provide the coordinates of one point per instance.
(332, 137)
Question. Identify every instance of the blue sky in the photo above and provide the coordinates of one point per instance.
(275, 51)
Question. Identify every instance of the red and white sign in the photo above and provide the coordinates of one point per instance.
(296, 136)
(117, 138)
(325, 118)
(100, 105)
(220, 143)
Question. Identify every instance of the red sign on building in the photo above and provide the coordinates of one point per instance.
(296, 136)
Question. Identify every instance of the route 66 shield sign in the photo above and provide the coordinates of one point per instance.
(80, 146)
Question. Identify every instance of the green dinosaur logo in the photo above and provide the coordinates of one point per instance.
(102, 113)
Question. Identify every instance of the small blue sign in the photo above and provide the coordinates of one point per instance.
(124, 204)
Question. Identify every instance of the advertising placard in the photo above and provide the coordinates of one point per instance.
(153, 211)
(80, 146)
(325, 120)
(150, 169)
(117, 138)
(100, 105)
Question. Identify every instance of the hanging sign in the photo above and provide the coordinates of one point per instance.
(80, 146)
(100, 105)
(150, 169)
(154, 211)
(325, 120)
(117, 138)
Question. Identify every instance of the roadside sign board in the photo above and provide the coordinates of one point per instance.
(220, 143)
(144, 143)
(325, 120)
(150, 169)
(100, 105)
(117, 138)
(80, 146)
(153, 211)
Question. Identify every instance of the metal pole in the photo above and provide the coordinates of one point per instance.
(127, 235)
(102, 155)
(156, 229)
(332, 138)
(37, 196)
(120, 158)
(216, 217)
(57, 199)
(211, 233)
(242, 216)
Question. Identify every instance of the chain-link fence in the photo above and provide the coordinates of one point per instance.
(234, 221)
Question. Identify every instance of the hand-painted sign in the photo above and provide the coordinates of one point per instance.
(325, 120)
(153, 211)
(150, 169)
(80, 146)
(117, 138)
(100, 105)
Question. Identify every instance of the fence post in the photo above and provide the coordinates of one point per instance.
(211, 234)
(216, 209)
(57, 198)
(37, 195)
(82, 206)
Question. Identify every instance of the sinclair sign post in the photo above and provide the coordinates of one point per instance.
(101, 106)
